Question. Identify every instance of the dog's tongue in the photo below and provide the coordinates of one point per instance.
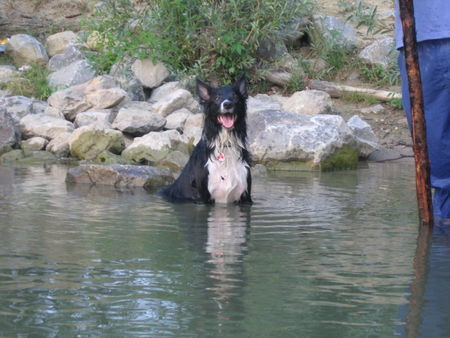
(227, 120)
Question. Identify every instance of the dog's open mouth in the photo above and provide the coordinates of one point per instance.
(227, 120)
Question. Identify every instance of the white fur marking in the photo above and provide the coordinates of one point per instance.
(227, 179)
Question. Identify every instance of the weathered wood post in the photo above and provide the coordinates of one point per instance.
(419, 134)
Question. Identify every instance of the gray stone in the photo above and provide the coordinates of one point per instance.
(9, 132)
(17, 106)
(308, 102)
(154, 147)
(57, 43)
(380, 52)
(24, 49)
(119, 176)
(172, 101)
(277, 77)
(262, 102)
(100, 118)
(44, 126)
(59, 146)
(76, 73)
(384, 155)
(177, 119)
(193, 128)
(125, 77)
(138, 122)
(88, 142)
(34, 143)
(98, 93)
(276, 135)
(149, 73)
(8, 73)
(364, 136)
(375, 109)
(338, 31)
(271, 49)
(70, 55)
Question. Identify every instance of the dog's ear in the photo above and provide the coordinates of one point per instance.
(241, 85)
(203, 90)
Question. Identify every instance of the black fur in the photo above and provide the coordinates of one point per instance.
(192, 184)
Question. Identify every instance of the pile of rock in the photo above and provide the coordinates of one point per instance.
(108, 119)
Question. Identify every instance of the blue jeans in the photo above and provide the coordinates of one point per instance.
(434, 59)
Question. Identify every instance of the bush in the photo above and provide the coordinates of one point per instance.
(214, 39)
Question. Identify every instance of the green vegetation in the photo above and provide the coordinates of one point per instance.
(355, 97)
(379, 75)
(32, 83)
(214, 39)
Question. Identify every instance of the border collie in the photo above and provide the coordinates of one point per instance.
(218, 170)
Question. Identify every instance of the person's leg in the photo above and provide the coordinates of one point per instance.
(434, 59)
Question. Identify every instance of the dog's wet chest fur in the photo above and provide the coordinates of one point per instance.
(227, 172)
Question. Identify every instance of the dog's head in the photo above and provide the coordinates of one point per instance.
(226, 105)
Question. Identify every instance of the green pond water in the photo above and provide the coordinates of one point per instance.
(318, 255)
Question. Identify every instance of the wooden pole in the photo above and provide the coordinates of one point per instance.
(419, 135)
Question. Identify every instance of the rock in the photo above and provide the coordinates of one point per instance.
(51, 111)
(9, 132)
(193, 128)
(149, 73)
(384, 155)
(59, 146)
(99, 117)
(24, 50)
(155, 147)
(44, 126)
(8, 73)
(123, 74)
(177, 119)
(119, 176)
(108, 157)
(339, 32)
(70, 55)
(17, 106)
(308, 102)
(34, 143)
(262, 102)
(364, 136)
(57, 43)
(76, 73)
(138, 122)
(280, 78)
(375, 109)
(304, 140)
(96, 41)
(39, 107)
(180, 98)
(380, 52)
(271, 49)
(295, 31)
(175, 161)
(165, 90)
(98, 93)
(88, 142)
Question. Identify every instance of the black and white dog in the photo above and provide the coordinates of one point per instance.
(218, 170)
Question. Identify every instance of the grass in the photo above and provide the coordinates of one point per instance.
(379, 75)
(355, 97)
(32, 83)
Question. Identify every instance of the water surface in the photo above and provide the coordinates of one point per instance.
(317, 255)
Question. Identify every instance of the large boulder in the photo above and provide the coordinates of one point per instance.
(177, 119)
(45, 126)
(98, 93)
(308, 102)
(34, 144)
(119, 176)
(9, 132)
(88, 142)
(138, 122)
(381, 52)
(76, 73)
(125, 77)
(262, 102)
(154, 147)
(150, 74)
(57, 43)
(304, 141)
(17, 106)
(24, 50)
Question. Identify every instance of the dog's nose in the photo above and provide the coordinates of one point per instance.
(227, 105)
